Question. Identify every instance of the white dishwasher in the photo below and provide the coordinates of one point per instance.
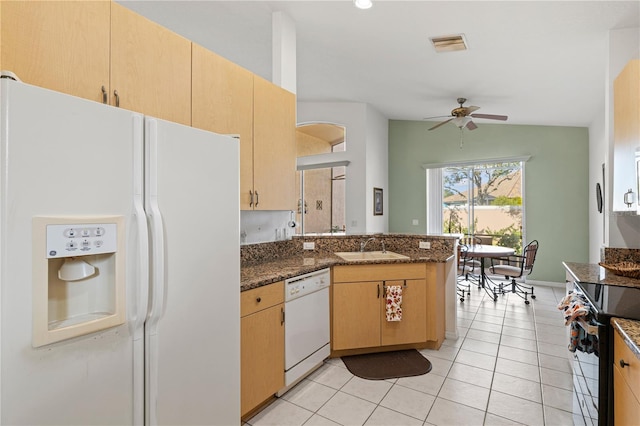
(306, 328)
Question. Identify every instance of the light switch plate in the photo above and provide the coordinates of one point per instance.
(425, 244)
(309, 245)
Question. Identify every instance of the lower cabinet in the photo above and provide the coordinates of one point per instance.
(261, 345)
(359, 306)
(626, 383)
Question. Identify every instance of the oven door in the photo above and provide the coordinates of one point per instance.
(589, 362)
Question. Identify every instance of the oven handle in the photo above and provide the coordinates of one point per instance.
(589, 328)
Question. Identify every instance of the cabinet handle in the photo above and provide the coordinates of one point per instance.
(115, 93)
(104, 95)
(250, 198)
(623, 364)
(378, 290)
(259, 300)
(257, 198)
(282, 311)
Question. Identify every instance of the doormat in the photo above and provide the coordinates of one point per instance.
(388, 365)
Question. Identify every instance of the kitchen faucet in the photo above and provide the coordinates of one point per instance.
(364, 244)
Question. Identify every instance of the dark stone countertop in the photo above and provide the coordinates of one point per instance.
(594, 273)
(629, 330)
(257, 274)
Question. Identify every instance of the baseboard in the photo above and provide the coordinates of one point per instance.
(545, 283)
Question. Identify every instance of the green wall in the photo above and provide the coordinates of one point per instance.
(556, 181)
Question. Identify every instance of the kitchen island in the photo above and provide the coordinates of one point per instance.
(430, 298)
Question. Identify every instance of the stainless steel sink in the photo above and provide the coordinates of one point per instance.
(357, 256)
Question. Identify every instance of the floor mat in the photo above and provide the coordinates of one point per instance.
(388, 365)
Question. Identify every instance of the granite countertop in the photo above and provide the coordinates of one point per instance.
(594, 273)
(257, 274)
(629, 330)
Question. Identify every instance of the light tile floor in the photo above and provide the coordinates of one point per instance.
(508, 366)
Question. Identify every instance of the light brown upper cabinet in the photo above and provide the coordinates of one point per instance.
(274, 149)
(150, 67)
(223, 103)
(228, 99)
(626, 134)
(81, 47)
(60, 45)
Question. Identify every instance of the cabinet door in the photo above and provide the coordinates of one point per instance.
(274, 150)
(413, 326)
(60, 45)
(626, 407)
(222, 99)
(356, 315)
(262, 356)
(626, 129)
(150, 67)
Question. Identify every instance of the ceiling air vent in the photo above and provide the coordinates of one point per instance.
(449, 43)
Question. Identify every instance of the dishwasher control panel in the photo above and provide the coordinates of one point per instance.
(305, 284)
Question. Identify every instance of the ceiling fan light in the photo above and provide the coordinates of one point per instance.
(449, 43)
(363, 4)
(460, 122)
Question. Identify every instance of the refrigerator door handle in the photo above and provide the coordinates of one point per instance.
(156, 228)
(140, 217)
(158, 270)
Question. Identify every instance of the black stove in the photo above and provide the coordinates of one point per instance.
(593, 372)
(612, 301)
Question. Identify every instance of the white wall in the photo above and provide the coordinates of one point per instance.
(624, 44)
(366, 136)
(598, 150)
(377, 168)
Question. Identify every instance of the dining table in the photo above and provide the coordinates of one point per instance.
(482, 251)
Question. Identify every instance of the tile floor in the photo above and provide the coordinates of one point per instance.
(508, 366)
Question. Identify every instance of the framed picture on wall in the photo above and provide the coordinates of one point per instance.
(377, 201)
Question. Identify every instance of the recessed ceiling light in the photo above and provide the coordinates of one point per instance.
(449, 43)
(363, 4)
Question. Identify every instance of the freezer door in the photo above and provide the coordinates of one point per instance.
(193, 330)
(62, 156)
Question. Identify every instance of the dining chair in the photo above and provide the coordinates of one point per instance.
(465, 268)
(516, 266)
(471, 263)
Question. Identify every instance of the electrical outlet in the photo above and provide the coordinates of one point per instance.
(309, 245)
(425, 244)
(415, 222)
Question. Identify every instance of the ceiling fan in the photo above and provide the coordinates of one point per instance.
(462, 116)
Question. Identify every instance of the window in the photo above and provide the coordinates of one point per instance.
(482, 199)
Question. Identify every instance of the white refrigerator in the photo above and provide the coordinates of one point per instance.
(119, 266)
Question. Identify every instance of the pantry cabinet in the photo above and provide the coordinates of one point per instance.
(60, 45)
(626, 383)
(229, 99)
(99, 50)
(626, 131)
(261, 345)
(274, 149)
(223, 103)
(359, 306)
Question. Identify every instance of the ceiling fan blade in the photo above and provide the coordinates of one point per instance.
(471, 125)
(490, 116)
(437, 116)
(472, 108)
(440, 124)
